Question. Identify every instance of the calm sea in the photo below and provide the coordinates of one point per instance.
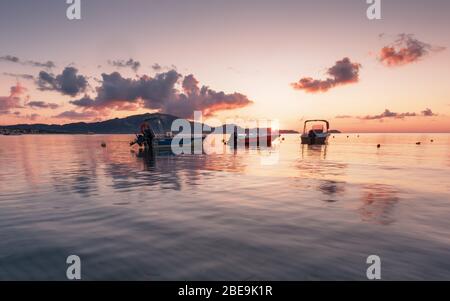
(291, 212)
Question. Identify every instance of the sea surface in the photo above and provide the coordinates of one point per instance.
(288, 212)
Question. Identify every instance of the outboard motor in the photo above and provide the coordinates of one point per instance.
(145, 138)
(139, 140)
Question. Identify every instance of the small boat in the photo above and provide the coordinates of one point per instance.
(317, 134)
(156, 133)
(253, 137)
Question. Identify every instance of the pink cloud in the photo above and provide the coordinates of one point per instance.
(343, 72)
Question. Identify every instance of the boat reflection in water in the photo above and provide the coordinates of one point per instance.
(378, 204)
(375, 203)
(314, 151)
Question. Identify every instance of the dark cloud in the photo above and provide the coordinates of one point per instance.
(15, 59)
(42, 105)
(405, 50)
(18, 75)
(389, 114)
(74, 115)
(85, 102)
(131, 63)
(190, 85)
(9, 58)
(427, 112)
(343, 72)
(13, 101)
(156, 67)
(160, 93)
(67, 83)
(48, 64)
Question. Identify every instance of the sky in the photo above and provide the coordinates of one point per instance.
(247, 59)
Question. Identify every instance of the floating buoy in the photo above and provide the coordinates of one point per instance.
(378, 145)
(348, 136)
(103, 144)
(418, 143)
(432, 140)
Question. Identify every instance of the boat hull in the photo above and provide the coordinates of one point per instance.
(162, 143)
(255, 141)
(166, 143)
(316, 140)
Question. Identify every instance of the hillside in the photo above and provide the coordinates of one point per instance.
(127, 125)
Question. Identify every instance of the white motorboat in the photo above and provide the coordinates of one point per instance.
(317, 134)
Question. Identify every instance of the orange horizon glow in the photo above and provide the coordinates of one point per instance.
(436, 124)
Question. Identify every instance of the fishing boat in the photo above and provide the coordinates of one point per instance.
(253, 137)
(317, 134)
(156, 133)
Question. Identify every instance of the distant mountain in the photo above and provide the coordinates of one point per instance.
(127, 125)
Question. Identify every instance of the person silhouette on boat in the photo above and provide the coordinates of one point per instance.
(147, 133)
(146, 136)
(312, 137)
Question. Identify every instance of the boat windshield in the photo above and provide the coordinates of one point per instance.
(159, 126)
(318, 128)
